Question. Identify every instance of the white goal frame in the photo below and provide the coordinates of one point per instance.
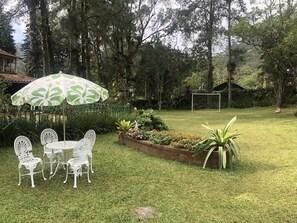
(207, 94)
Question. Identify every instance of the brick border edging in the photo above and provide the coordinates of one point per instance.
(170, 153)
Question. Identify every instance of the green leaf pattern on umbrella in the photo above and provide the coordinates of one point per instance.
(78, 95)
(51, 96)
(52, 90)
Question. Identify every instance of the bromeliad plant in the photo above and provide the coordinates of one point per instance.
(221, 140)
(124, 126)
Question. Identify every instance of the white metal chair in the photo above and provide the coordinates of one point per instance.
(23, 150)
(79, 160)
(48, 136)
(91, 135)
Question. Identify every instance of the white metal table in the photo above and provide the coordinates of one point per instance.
(64, 146)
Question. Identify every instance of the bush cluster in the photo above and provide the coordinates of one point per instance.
(148, 120)
(240, 99)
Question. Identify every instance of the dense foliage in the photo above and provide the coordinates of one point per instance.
(133, 47)
(148, 120)
(79, 120)
(6, 38)
(271, 30)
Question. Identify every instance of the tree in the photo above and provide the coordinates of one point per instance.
(270, 30)
(232, 14)
(46, 39)
(33, 61)
(202, 20)
(6, 39)
(39, 55)
(131, 24)
(161, 70)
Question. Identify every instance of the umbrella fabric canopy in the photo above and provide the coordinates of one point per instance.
(53, 89)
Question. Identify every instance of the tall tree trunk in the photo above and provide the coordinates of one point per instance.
(279, 87)
(73, 40)
(84, 40)
(46, 41)
(209, 50)
(33, 65)
(230, 62)
(160, 92)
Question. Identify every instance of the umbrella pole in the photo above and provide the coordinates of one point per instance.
(64, 131)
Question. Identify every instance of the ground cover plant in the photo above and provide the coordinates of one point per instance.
(168, 138)
(260, 188)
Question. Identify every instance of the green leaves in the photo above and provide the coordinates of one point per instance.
(222, 141)
(124, 126)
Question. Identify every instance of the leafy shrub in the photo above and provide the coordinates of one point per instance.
(174, 139)
(165, 138)
(147, 120)
(77, 123)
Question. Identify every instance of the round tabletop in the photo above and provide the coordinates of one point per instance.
(64, 145)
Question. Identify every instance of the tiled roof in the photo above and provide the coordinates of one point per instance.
(17, 78)
(2, 52)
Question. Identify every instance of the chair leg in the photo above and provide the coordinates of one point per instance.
(75, 175)
(66, 174)
(91, 161)
(88, 173)
(31, 173)
(42, 170)
(20, 177)
(44, 161)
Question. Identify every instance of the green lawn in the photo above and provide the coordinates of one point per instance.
(261, 188)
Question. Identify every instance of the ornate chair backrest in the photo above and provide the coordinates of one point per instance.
(47, 136)
(81, 150)
(91, 135)
(23, 148)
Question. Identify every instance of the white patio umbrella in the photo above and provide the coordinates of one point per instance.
(53, 90)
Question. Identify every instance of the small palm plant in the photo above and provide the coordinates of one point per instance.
(124, 126)
(221, 140)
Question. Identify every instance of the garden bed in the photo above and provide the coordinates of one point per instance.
(169, 152)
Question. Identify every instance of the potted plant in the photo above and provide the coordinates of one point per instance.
(221, 141)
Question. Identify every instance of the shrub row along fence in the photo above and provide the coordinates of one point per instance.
(30, 121)
(240, 99)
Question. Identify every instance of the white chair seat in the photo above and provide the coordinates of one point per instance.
(80, 159)
(30, 161)
(76, 163)
(23, 149)
(48, 136)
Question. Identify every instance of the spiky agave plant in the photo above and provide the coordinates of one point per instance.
(221, 140)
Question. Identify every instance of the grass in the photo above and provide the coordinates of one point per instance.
(261, 188)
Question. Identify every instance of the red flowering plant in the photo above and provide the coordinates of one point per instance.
(165, 137)
(138, 134)
(175, 139)
(188, 142)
